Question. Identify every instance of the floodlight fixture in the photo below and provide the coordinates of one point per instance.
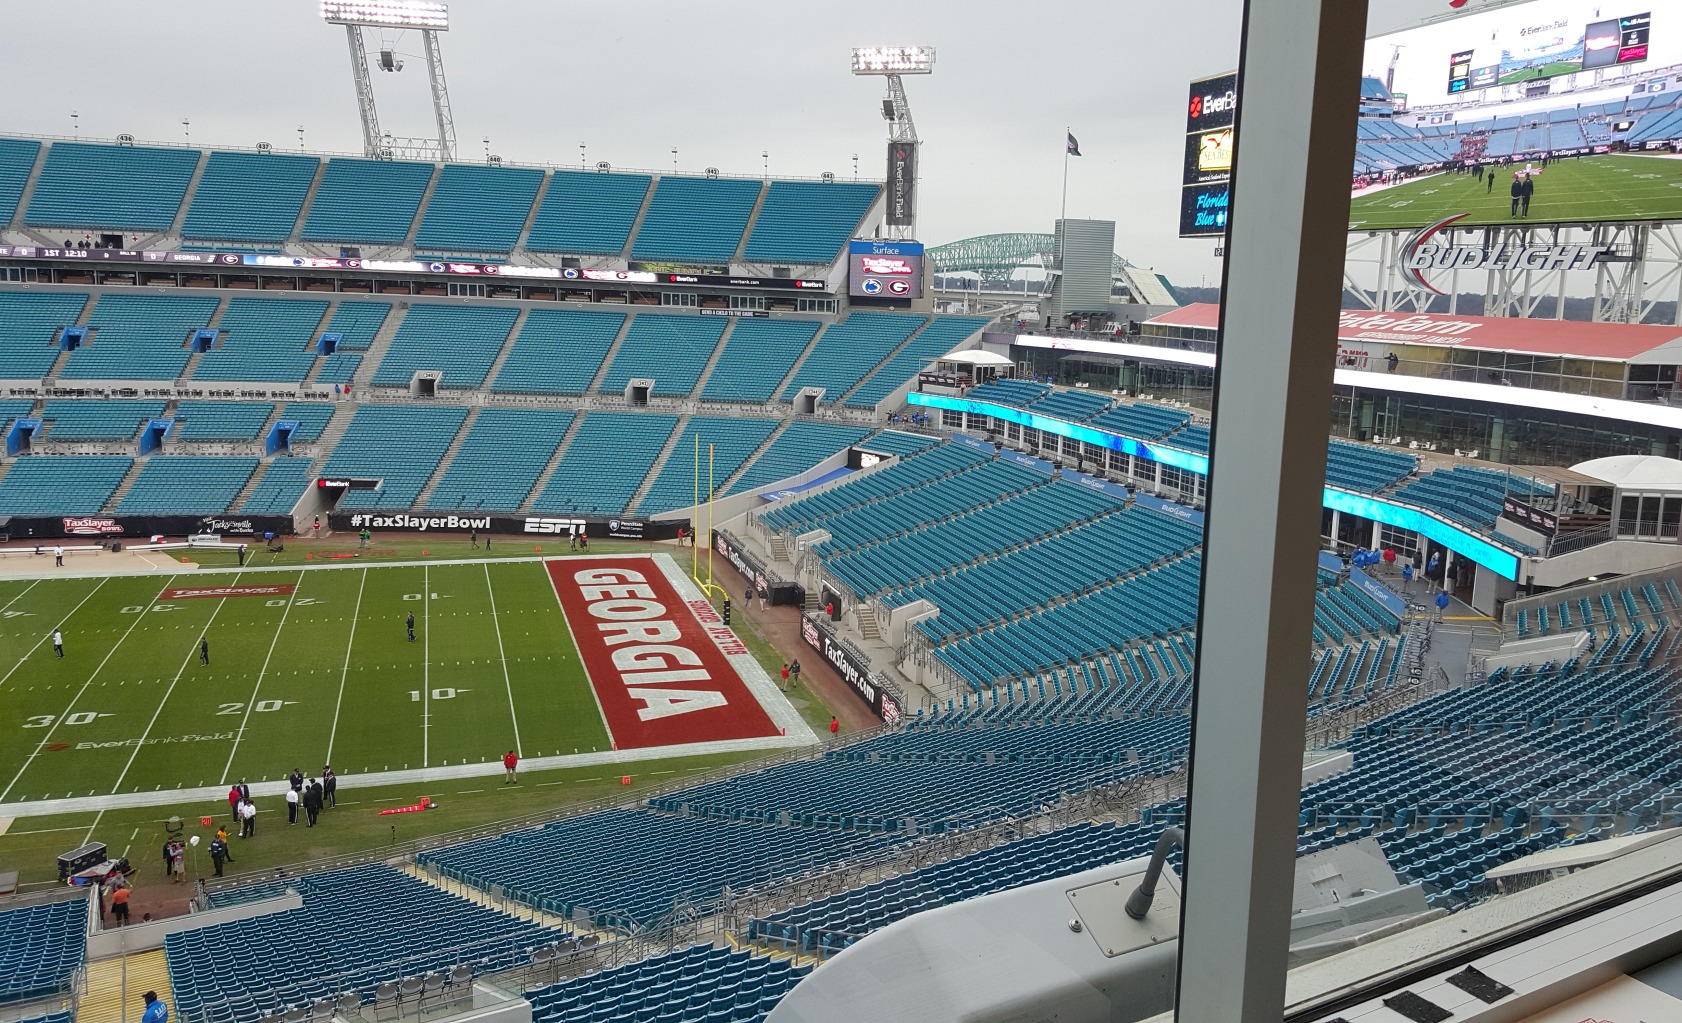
(427, 14)
(893, 60)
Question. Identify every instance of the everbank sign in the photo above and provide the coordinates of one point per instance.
(1401, 328)
(1420, 254)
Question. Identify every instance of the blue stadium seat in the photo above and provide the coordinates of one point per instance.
(279, 487)
(41, 948)
(848, 351)
(400, 444)
(127, 188)
(941, 335)
(607, 460)
(587, 213)
(757, 355)
(249, 197)
(696, 220)
(720, 443)
(61, 485)
(371, 202)
(478, 209)
(800, 446)
(670, 350)
(186, 485)
(139, 337)
(17, 159)
(500, 459)
(807, 222)
(221, 420)
(264, 340)
(29, 327)
(459, 341)
(69, 419)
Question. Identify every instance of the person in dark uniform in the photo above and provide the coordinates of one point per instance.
(204, 650)
(411, 624)
(1526, 190)
(1517, 190)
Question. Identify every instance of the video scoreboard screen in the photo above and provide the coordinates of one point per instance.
(885, 269)
(1205, 187)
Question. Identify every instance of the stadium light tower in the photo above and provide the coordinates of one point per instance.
(893, 62)
(428, 18)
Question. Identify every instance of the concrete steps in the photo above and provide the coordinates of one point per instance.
(115, 987)
(425, 494)
(723, 486)
(531, 218)
(187, 197)
(507, 347)
(753, 219)
(840, 399)
(519, 911)
(659, 464)
(712, 362)
(420, 210)
(309, 200)
(126, 485)
(788, 378)
(554, 460)
(251, 484)
(29, 184)
(381, 344)
(335, 431)
(612, 351)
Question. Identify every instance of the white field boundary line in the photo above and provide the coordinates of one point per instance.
(770, 695)
(344, 673)
(426, 667)
(255, 689)
(101, 667)
(613, 743)
(217, 796)
(208, 622)
(48, 635)
(502, 654)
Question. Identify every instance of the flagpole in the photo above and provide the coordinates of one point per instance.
(1064, 213)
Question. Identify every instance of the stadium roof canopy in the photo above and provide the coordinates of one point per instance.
(1647, 473)
(1613, 342)
(976, 357)
(1000, 254)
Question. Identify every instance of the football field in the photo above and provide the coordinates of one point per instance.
(1589, 188)
(314, 666)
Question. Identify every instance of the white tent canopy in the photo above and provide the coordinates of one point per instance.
(976, 357)
(1648, 474)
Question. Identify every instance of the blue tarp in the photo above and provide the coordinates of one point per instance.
(787, 492)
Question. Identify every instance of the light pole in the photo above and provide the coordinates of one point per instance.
(892, 63)
(427, 17)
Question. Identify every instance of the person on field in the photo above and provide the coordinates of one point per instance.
(58, 643)
(218, 854)
(233, 801)
(204, 650)
(291, 806)
(834, 726)
(794, 671)
(248, 819)
(296, 780)
(785, 676)
(312, 802)
(329, 785)
(244, 790)
(1517, 190)
(169, 859)
(509, 762)
(58, 556)
(178, 862)
(411, 625)
(1526, 190)
(119, 905)
(473, 538)
(156, 1010)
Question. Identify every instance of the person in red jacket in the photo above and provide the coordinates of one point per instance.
(509, 762)
(834, 726)
(233, 802)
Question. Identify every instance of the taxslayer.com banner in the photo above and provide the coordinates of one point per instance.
(661, 678)
(138, 527)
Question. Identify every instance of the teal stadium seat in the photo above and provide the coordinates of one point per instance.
(29, 326)
(730, 440)
(696, 220)
(139, 337)
(279, 487)
(369, 202)
(607, 460)
(558, 351)
(76, 420)
(356, 323)
(186, 485)
(249, 197)
(808, 222)
(671, 350)
(942, 334)
(500, 459)
(311, 417)
(799, 447)
(848, 351)
(129, 188)
(459, 341)
(400, 444)
(17, 159)
(264, 340)
(757, 355)
(588, 213)
(478, 209)
(61, 485)
(221, 420)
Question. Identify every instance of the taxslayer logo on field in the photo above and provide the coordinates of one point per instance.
(194, 592)
(661, 678)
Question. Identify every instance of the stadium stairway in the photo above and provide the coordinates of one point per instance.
(335, 432)
(377, 348)
(126, 485)
(549, 470)
(420, 208)
(531, 218)
(841, 399)
(425, 495)
(636, 225)
(725, 485)
(50, 377)
(479, 897)
(800, 360)
(293, 239)
(612, 352)
(28, 193)
(176, 225)
(117, 982)
(507, 345)
(660, 460)
(214, 323)
(718, 352)
(740, 255)
(251, 484)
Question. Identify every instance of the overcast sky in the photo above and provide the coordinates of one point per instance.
(722, 83)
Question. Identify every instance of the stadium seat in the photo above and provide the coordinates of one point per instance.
(249, 197)
(128, 188)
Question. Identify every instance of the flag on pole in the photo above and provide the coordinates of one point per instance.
(1074, 145)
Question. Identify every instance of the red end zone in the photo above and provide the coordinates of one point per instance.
(660, 678)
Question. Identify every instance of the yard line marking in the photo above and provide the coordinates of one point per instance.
(101, 666)
(191, 652)
(240, 734)
(89, 836)
(426, 666)
(506, 681)
(49, 633)
(19, 597)
(345, 672)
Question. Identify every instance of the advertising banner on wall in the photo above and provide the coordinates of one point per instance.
(902, 184)
(529, 525)
(853, 669)
(139, 527)
(1205, 183)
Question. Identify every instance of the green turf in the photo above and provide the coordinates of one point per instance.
(327, 674)
(1590, 188)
